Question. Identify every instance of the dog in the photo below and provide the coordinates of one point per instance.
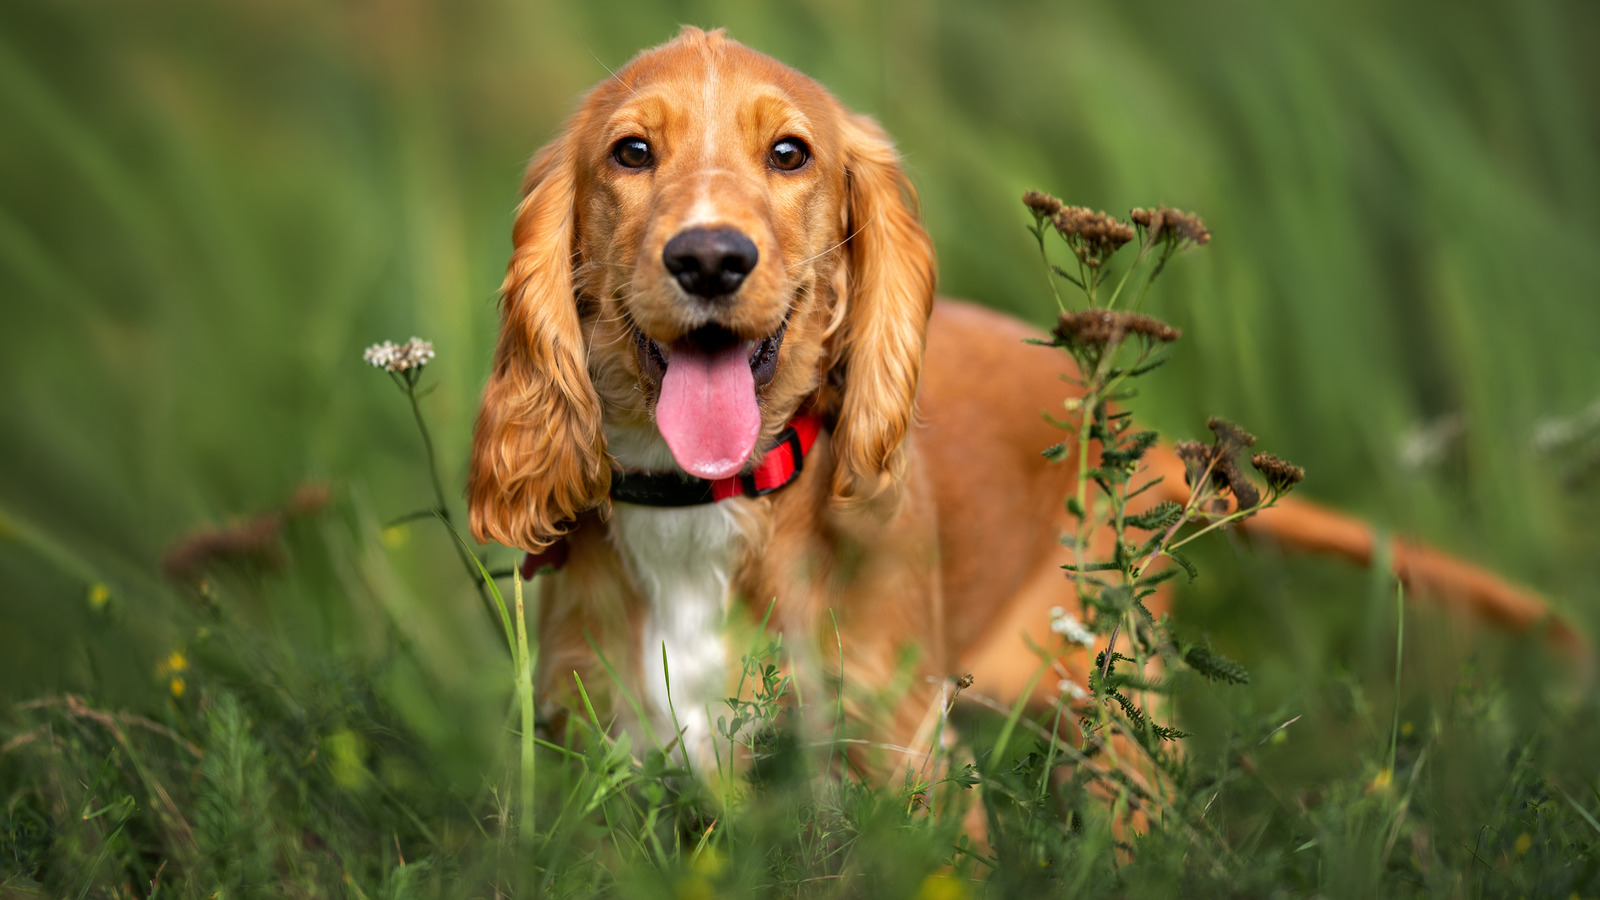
(723, 389)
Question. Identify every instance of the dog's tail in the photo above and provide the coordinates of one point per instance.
(1006, 671)
(1454, 583)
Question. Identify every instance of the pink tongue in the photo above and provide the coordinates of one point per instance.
(707, 409)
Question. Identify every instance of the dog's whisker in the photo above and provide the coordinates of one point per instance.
(620, 335)
(609, 69)
(845, 240)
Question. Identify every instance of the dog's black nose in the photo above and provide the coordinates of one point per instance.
(710, 262)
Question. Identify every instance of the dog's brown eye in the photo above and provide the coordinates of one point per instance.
(788, 154)
(632, 152)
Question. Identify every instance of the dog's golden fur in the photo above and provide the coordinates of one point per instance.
(925, 520)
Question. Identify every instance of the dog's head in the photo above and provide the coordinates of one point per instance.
(712, 243)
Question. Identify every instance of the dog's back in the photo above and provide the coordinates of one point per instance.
(981, 430)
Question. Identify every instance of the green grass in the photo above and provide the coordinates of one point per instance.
(206, 211)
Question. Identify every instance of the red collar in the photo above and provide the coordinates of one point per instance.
(779, 467)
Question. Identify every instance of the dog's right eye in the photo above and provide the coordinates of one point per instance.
(788, 155)
(632, 152)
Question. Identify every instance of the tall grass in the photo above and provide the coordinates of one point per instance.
(206, 210)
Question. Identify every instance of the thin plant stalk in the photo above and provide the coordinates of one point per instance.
(1049, 273)
(1399, 651)
(495, 601)
(408, 383)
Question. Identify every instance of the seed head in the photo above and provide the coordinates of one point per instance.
(1164, 222)
(1228, 475)
(1281, 475)
(1101, 327)
(1150, 327)
(1097, 231)
(1230, 437)
(1196, 457)
(1222, 459)
(1043, 205)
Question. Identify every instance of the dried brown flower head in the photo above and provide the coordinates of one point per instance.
(1196, 457)
(1164, 221)
(1222, 461)
(1150, 327)
(1227, 474)
(1043, 205)
(1230, 437)
(1281, 475)
(1102, 327)
(1193, 452)
(1096, 230)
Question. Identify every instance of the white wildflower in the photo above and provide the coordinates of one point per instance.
(1068, 626)
(413, 354)
(1072, 689)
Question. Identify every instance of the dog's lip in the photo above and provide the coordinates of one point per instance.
(655, 356)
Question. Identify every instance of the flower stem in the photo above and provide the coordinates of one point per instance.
(1232, 517)
(409, 384)
(1144, 247)
(1111, 649)
(1049, 273)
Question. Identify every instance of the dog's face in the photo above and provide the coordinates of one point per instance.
(712, 243)
(711, 191)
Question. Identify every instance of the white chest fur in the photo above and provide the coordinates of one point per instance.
(682, 559)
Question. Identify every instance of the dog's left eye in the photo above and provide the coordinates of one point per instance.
(632, 152)
(788, 154)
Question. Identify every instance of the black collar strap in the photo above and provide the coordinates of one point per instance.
(779, 467)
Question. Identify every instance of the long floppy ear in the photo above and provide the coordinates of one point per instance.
(538, 451)
(889, 299)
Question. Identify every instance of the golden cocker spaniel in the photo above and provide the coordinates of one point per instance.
(723, 388)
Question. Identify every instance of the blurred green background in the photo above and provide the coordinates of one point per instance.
(208, 209)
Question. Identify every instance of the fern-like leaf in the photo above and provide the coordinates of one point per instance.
(1215, 666)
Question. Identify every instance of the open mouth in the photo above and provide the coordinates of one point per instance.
(706, 406)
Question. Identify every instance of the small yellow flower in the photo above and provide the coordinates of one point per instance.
(708, 862)
(99, 595)
(177, 686)
(1406, 729)
(1381, 781)
(175, 662)
(942, 886)
(395, 536)
(1524, 841)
